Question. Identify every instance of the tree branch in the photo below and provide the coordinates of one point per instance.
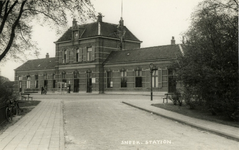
(45, 14)
(1, 6)
(6, 14)
(13, 31)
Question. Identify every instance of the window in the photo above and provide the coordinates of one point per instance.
(155, 79)
(20, 84)
(20, 78)
(36, 81)
(77, 55)
(165, 75)
(63, 75)
(138, 78)
(64, 56)
(109, 79)
(89, 54)
(28, 82)
(123, 78)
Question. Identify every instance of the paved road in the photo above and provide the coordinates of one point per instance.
(104, 123)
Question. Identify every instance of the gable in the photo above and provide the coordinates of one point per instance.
(91, 30)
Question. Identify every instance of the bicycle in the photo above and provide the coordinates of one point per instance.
(12, 109)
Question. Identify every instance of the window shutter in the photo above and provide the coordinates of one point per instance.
(93, 53)
(84, 54)
(80, 55)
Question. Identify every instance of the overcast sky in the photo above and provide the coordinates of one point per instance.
(154, 22)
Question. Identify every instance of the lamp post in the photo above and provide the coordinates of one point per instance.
(152, 68)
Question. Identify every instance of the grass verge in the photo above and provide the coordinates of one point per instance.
(197, 113)
(26, 107)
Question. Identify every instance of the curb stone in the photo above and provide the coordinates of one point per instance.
(229, 136)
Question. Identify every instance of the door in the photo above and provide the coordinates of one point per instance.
(76, 85)
(89, 83)
(45, 83)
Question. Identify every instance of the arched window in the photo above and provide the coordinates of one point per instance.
(109, 79)
(123, 78)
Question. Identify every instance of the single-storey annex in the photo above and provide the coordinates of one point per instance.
(100, 57)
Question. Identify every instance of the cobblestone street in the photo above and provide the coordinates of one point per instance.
(105, 123)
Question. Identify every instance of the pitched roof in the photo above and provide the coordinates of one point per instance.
(38, 64)
(144, 54)
(91, 30)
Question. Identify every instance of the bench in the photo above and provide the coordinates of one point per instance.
(173, 97)
(26, 96)
(168, 96)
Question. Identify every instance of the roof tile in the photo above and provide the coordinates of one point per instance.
(38, 64)
(91, 30)
(144, 54)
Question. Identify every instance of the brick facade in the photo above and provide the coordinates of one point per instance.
(84, 61)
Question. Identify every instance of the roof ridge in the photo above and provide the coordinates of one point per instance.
(149, 47)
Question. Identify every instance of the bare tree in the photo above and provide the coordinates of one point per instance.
(16, 21)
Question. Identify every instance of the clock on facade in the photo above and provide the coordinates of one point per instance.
(76, 35)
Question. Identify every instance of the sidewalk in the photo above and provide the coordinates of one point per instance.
(216, 128)
(41, 129)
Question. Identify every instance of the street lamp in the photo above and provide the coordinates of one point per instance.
(152, 68)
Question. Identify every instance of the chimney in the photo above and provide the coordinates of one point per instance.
(47, 55)
(74, 23)
(99, 17)
(172, 41)
(121, 22)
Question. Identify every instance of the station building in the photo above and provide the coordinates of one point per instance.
(100, 57)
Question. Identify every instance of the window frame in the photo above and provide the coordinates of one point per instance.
(89, 54)
(109, 79)
(28, 82)
(123, 74)
(138, 78)
(155, 77)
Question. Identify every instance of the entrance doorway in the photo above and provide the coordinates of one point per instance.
(89, 82)
(45, 83)
(76, 85)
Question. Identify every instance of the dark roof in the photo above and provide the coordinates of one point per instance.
(38, 64)
(144, 54)
(91, 30)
